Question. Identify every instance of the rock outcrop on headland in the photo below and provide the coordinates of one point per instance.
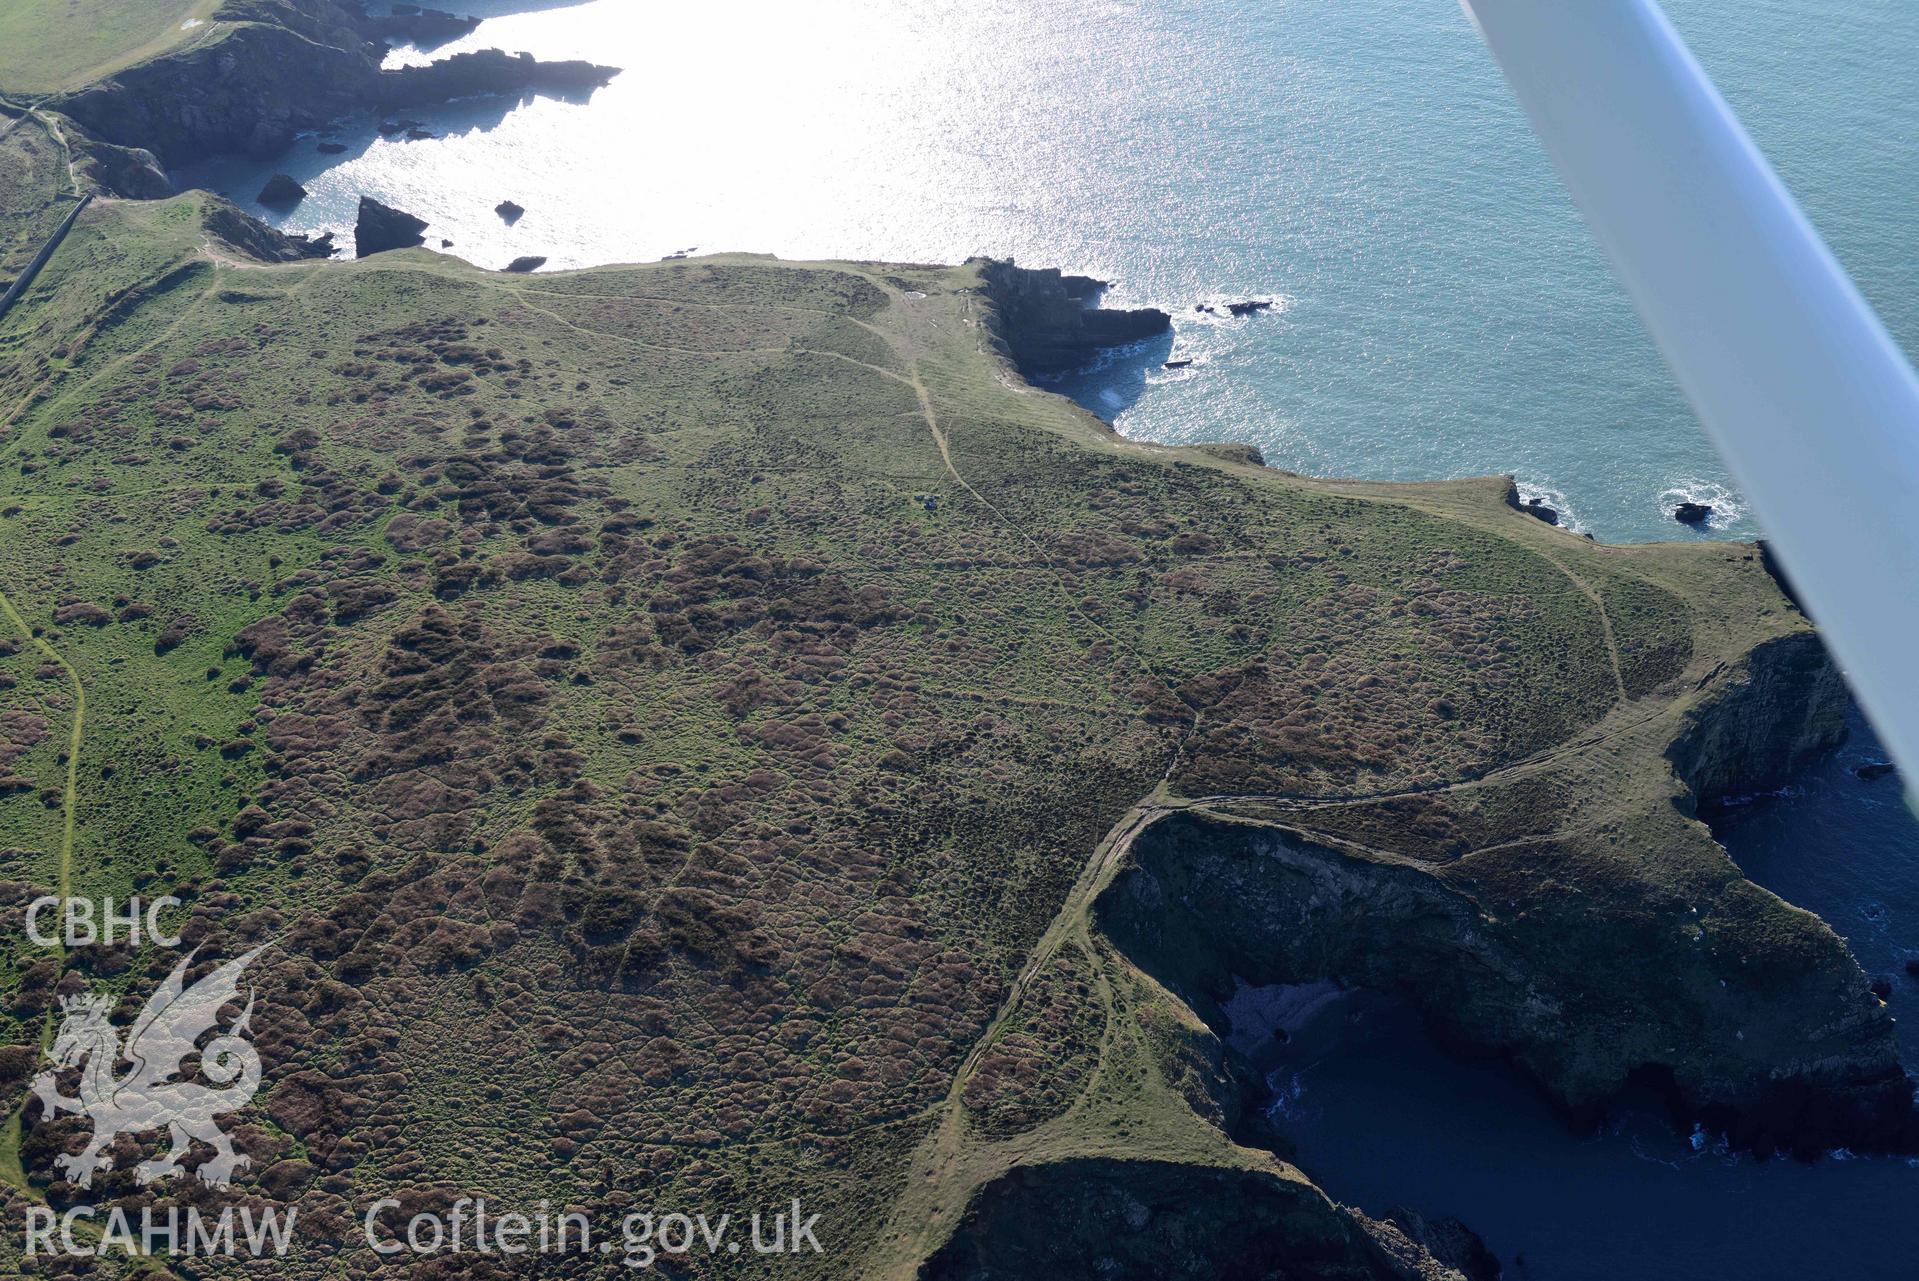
(246, 234)
(469, 75)
(280, 68)
(1051, 322)
(419, 26)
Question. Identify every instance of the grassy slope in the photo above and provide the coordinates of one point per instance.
(32, 174)
(664, 710)
(47, 46)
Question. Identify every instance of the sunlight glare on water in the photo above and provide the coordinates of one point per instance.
(1443, 310)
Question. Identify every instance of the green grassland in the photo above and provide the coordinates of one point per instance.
(675, 721)
(47, 46)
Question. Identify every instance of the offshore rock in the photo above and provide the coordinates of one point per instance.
(320, 246)
(281, 192)
(1531, 506)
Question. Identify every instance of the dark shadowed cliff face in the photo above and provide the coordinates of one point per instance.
(281, 68)
(1763, 720)
(290, 65)
(1105, 1220)
(1609, 988)
(1052, 323)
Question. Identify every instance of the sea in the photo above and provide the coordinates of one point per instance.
(1439, 310)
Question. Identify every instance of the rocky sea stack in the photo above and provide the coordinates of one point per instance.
(281, 192)
(382, 227)
(1534, 506)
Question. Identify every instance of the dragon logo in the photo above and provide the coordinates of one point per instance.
(146, 1097)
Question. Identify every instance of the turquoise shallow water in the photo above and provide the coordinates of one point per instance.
(1443, 311)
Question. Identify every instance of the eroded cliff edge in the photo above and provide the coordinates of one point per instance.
(1767, 718)
(1593, 963)
(1598, 948)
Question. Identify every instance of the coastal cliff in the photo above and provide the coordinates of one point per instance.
(278, 68)
(1606, 990)
(1050, 323)
(1762, 720)
(1110, 1218)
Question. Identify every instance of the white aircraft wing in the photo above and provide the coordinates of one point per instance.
(1798, 384)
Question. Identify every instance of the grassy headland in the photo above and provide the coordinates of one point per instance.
(711, 727)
